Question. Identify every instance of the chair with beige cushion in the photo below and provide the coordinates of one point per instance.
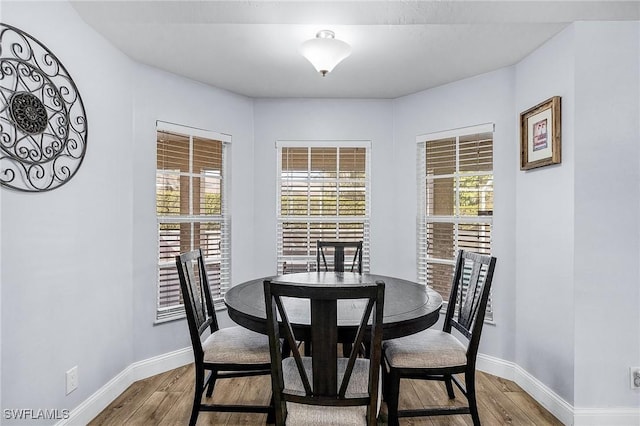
(324, 389)
(438, 355)
(225, 353)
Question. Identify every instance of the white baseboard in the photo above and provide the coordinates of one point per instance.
(552, 402)
(496, 366)
(557, 406)
(538, 391)
(92, 406)
(607, 416)
(159, 364)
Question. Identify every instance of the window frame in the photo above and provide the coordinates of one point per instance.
(423, 218)
(176, 311)
(317, 219)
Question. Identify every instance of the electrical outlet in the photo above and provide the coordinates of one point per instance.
(72, 379)
(634, 376)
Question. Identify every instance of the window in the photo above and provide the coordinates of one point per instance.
(323, 194)
(455, 172)
(191, 210)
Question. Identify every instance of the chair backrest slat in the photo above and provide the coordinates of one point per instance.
(469, 298)
(354, 348)
(469, 295)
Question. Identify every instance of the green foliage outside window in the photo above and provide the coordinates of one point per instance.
(168, 203)
(476, 195)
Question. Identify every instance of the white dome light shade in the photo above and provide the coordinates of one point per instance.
(325, 52)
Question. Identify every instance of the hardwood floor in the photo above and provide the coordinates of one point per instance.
(166, 399)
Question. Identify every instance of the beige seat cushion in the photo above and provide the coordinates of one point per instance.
(427, 349)
(302, 414)
(236, 345)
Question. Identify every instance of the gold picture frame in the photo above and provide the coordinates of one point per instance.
(540, 135)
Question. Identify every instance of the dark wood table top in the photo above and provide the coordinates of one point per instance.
(409, 307)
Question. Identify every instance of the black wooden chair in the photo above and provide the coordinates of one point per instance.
(338, 248)
(324, 388)
(438, 355)
(225, 353)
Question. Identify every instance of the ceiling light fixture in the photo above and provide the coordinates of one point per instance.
(325, 51)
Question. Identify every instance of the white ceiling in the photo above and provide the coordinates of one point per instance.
(398, 47)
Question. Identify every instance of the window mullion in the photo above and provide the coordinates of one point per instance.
(338, 187)
(308, 173)
(191, 242)
(456, 213)
(308, 181)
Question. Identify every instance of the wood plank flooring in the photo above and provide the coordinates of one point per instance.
(166, 400)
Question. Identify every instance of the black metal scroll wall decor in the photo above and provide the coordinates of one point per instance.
(43, 126)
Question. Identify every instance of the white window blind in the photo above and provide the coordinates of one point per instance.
(455, 172)
(191, 207)
(323, 194)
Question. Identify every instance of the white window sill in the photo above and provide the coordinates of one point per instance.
(218, 307)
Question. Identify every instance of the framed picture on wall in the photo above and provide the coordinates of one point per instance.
(540, 134)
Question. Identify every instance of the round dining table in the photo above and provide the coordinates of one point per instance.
(409, 307)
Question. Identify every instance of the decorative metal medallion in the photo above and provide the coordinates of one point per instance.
(43, 125)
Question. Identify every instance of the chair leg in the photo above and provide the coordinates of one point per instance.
(197, 397)
(449, 385)
(271, 414)
(470, 384)
(366, 349)
(346, 349)
(286, 349)
(280, 412)
(211, 383)
(392, 387)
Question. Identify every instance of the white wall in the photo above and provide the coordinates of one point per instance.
(486, 98)
(577, 239)
(78, 263)
(544, 227)
(323, 119)
(90, 300)
(1, 271)
(67, 259)
(607, 244)
(555, 239)
(162, 96)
